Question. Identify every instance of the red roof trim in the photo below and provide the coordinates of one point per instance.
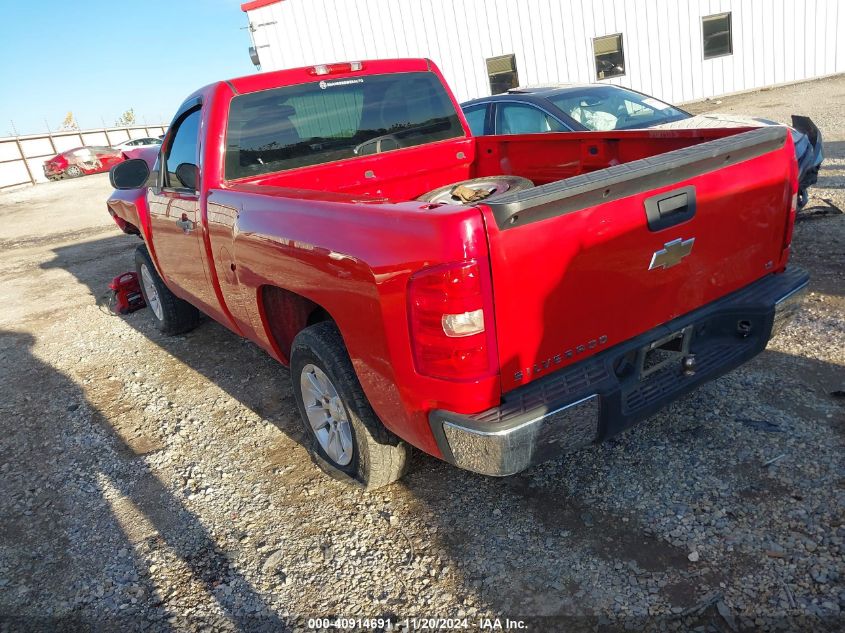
(257, 4)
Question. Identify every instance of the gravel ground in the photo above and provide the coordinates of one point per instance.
(159, 483)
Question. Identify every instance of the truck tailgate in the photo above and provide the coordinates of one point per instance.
(585, 263)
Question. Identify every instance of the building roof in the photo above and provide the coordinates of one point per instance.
(257, 4)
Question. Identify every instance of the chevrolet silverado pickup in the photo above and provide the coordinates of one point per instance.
(494, 301)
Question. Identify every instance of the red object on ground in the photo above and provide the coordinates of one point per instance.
(127, 293)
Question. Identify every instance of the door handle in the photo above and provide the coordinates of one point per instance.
(670, 208)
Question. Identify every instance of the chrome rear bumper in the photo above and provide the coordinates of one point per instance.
(599, 396)
(517, 444)
(788, 306)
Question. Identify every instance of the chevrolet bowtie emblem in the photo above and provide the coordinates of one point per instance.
(671, 254)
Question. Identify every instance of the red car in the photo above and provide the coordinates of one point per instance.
(81, 161)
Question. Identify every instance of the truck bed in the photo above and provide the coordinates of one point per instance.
(571, 255)
(542, 158)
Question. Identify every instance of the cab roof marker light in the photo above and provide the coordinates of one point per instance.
(330, 69)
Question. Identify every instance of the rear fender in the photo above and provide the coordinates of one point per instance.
(354, 260)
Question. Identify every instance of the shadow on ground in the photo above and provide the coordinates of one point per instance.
(53, 439)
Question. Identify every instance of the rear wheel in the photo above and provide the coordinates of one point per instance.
(171, 314)
(346, 437)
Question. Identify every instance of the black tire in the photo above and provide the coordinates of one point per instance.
(73, 171)
(378, 456)
(503, 185)
(175, 316)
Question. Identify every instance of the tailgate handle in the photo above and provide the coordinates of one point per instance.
(670, 208)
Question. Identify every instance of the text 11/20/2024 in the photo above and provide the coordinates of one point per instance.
(416, 624)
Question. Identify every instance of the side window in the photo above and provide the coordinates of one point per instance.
(183, 152)
(476, 116)
(518, 118)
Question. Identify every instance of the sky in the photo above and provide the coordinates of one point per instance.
(98, 58)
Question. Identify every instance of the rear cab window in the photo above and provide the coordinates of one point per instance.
(336, 119)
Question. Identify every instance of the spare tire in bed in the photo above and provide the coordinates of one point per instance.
(492, 186)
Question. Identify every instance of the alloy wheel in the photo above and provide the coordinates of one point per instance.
(152, 294)
(326, 414)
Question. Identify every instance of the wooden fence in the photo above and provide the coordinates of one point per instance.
(22, 157)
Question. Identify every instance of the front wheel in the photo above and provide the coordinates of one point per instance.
(172, 314)
(346, 436)
(73, 171)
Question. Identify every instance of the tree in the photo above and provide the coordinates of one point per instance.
(69, 124)
(126, 119)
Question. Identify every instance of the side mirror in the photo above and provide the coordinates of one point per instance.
(188, 175)
(130, 174)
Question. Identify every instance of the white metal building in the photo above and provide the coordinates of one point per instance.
(677, 50)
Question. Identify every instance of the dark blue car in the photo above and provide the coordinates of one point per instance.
(599, 107)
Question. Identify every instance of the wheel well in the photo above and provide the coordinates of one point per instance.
(318, 316)
(287, 313)
(131, 229)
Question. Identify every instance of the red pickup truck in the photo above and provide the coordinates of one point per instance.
(493, 301)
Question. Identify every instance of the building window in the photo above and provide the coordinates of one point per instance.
(502, 73)
(716, 31)
(610, 58)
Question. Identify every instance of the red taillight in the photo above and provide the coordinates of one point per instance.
(451, 322)
(331, 69)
